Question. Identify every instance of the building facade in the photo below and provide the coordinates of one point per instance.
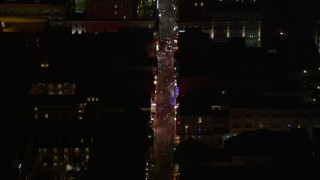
(224, 19)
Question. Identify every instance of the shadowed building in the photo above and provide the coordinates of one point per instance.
(71, 102)
(224, 90)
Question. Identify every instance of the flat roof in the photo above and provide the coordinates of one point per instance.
(23, 24)
(22, 19)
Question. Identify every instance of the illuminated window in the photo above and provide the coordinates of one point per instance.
(3, 25)
(44, 65)
(66, 158)
(186, 129)
(46, 116)
(215, 107)
(115, 6)
(52, 89)
(76, 150)
(87, 150)
(201, 4)
(81, 140)
(37, 42)
(199, 120)
(115, 12)
(195, 4)
(50, 92)
(80, 6)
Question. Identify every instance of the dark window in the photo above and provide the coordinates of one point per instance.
(208, 130)
(236, 125)
(302, 115)
(276, 115)
(316, 115)
(249, 115)
(263, 115)
(276, 125)
(289, 115)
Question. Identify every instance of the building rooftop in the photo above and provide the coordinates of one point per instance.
(26, 25)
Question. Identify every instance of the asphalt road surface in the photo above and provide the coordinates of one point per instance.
(164, 123)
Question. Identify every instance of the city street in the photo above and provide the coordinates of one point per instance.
(165, 138)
